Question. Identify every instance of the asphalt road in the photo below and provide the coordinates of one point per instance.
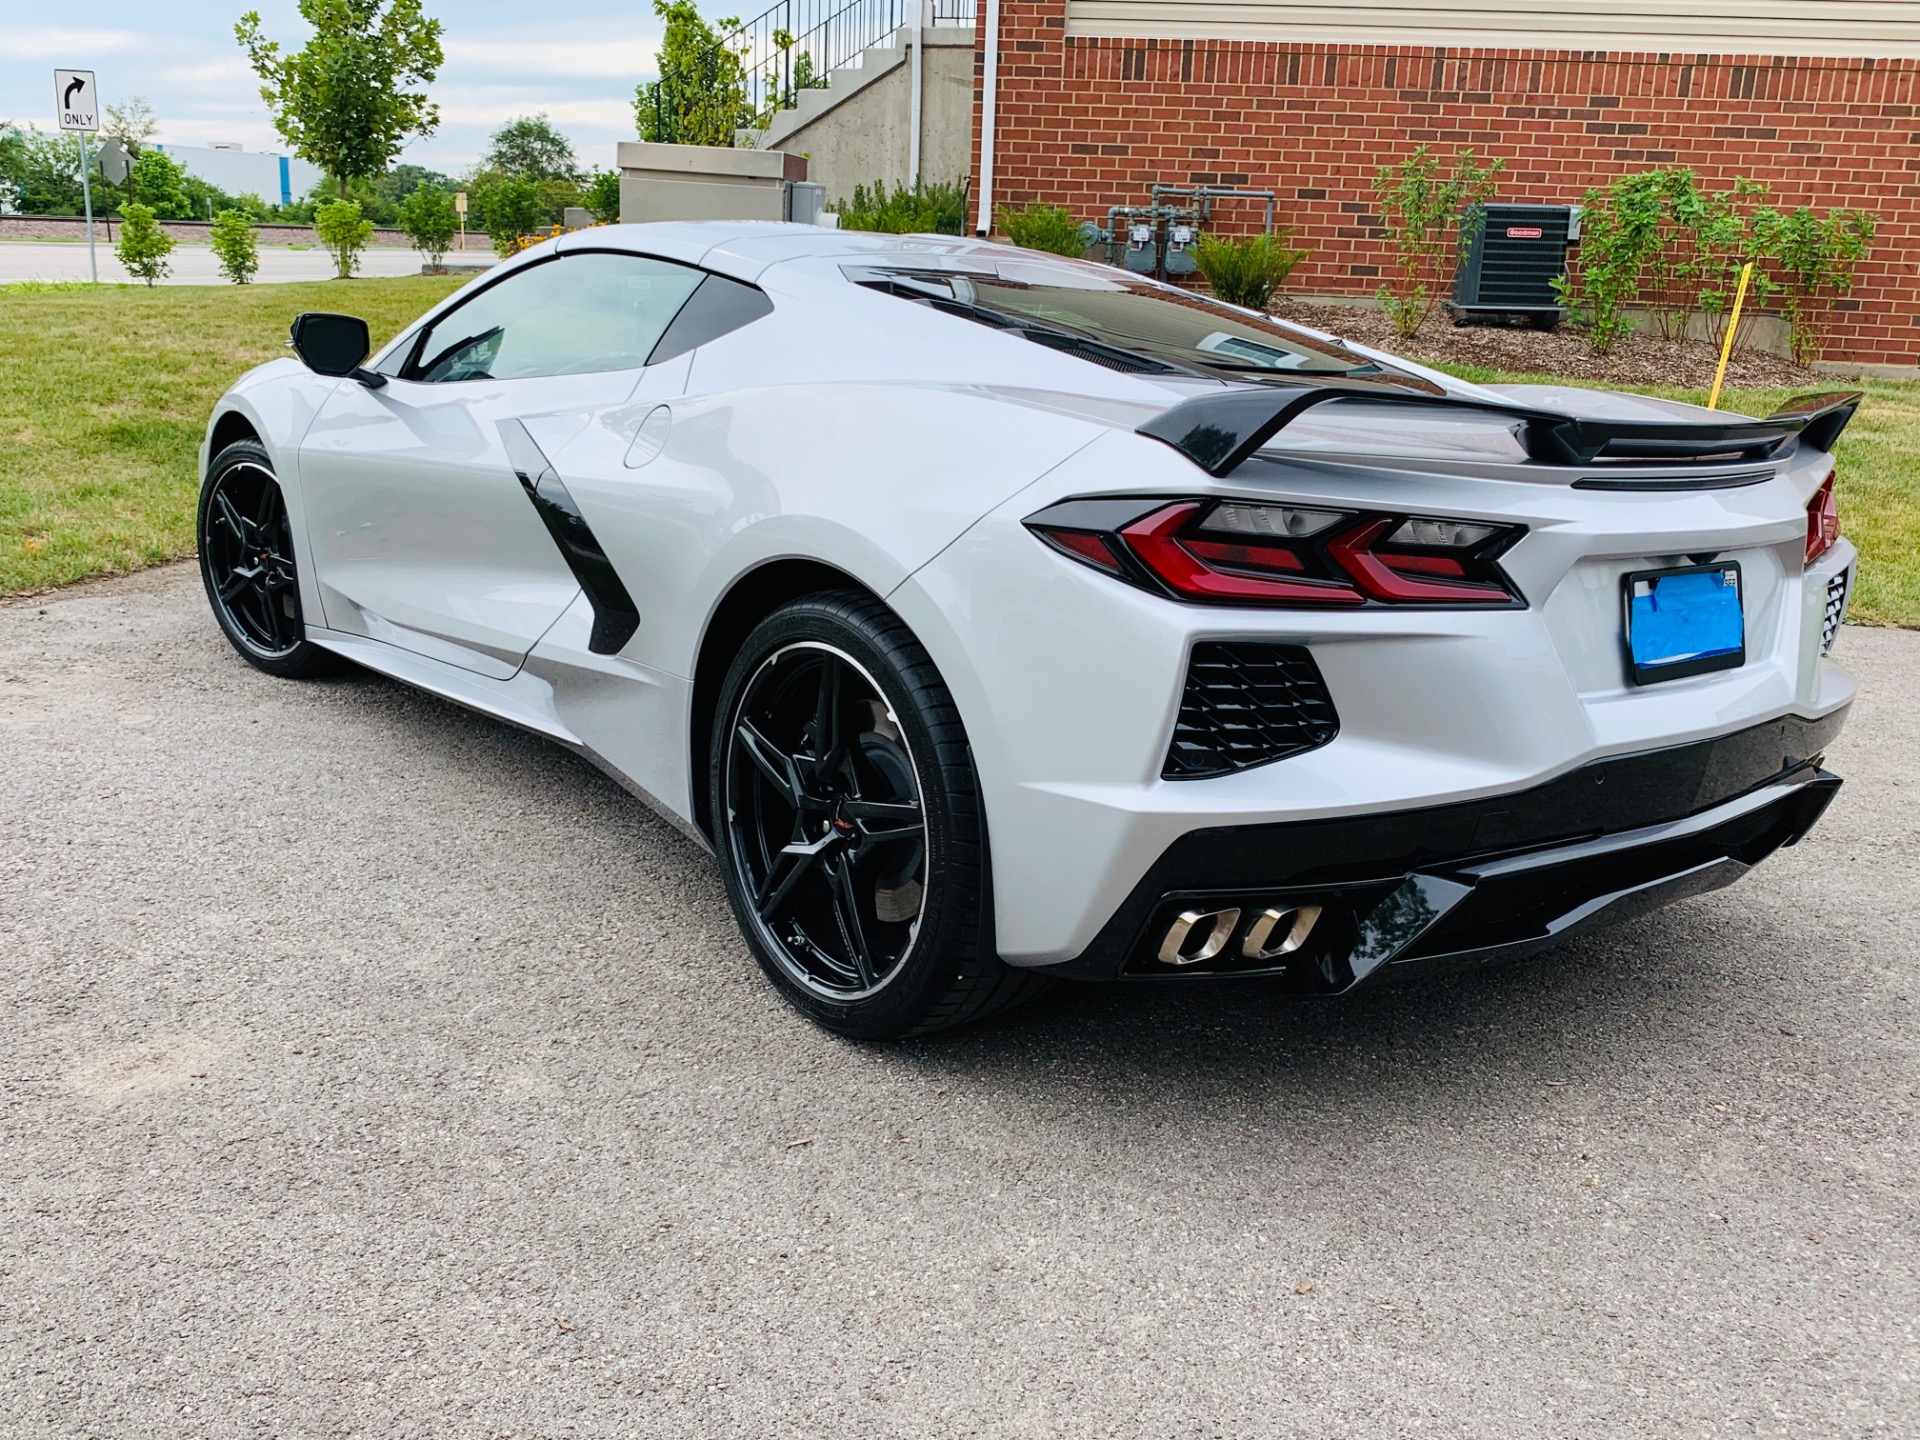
(368, 1068)
(66, 260)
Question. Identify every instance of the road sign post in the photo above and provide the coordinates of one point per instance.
(77, 101)
(460, 204)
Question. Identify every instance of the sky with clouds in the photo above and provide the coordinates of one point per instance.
(577, 60)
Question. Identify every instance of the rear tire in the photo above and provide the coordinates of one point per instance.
(849, 825)
(248, 566)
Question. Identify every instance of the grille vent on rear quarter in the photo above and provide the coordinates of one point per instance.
(1247, 703)
(1836, 614)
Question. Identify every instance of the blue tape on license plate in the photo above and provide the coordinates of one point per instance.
(1684, 622)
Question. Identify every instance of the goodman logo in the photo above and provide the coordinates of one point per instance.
(1524, 232)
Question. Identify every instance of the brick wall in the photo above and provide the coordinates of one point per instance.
(1089, 123)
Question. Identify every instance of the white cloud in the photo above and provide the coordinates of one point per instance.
(74, 48)
(621, 59)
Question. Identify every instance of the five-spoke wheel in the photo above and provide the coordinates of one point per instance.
(849, 826)
(247, 562)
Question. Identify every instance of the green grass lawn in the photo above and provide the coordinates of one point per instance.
(104, 397)
(105, 391)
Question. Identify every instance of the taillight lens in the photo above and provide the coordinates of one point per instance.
(1823, 520)
(1236, 553)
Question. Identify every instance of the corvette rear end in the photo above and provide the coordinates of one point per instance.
(1345, 691)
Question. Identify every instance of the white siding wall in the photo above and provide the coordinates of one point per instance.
(1852, 28)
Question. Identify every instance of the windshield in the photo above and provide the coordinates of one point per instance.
(1123, 323)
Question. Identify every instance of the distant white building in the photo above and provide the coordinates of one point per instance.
(276, 179)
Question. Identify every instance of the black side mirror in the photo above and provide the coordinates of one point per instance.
(334, 345)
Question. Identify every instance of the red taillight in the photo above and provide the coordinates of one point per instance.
(1823, 520)
(1155, 539)
(1245, 553)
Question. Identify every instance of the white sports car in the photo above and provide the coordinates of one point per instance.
(995, 617)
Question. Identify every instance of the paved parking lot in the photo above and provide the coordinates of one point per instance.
(368, 1068)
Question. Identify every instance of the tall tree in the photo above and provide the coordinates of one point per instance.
(531, 148)
(132, 124)
(354, 95)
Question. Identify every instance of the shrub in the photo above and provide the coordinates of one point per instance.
(430, 221)
(1423, 210)
(143, 246)
(344, 232)
(601, 195)
(1246, 272)
(1816, 257)
(512, 208)
(1044, 227)
(923, 210)
(234, 246)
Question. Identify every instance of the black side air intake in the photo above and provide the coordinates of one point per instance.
(1247, 703)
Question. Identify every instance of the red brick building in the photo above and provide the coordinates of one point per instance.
(1095, 100)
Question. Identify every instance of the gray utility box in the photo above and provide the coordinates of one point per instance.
(707, 182)
(1508, 265)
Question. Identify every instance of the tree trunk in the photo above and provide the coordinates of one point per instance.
(343, 187)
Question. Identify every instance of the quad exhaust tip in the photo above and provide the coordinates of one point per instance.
(1197, 936)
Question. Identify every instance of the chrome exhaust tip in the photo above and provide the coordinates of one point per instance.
(1215, 929)
(1291, 927)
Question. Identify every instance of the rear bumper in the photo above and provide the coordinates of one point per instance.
(1451, 886)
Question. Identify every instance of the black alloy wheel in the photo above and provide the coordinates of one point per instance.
(849, 824)
(247, 562)
(825, 820)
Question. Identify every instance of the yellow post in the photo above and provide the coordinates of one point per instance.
(1726, 341)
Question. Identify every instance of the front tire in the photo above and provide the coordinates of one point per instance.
(849, 825)
(247, 563)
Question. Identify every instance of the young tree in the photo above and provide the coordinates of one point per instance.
(344, 232)
(701, 95)
(428, 217)
(1425, 210)
(601, 195)
(532, 149)
(143, 246)
(513, 209)
(235, 247)
(350, 99)
(132, 124)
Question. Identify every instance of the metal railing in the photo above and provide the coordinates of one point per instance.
(760, 67)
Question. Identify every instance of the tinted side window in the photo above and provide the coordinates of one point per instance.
(719, 307)
(573, 315)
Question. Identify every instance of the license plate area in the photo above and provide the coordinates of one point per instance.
(1685, 621)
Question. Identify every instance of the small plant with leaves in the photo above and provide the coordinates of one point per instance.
(344, 232)
(513, 209)
(922, 210)
(143, 246)
(430, 221)
(1620, 233)
(601, 196)
(1430, 213)
(235, 247)
(1247, 272)
(1043, 227)
(1816, 257)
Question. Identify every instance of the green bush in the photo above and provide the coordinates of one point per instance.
(143, 246)
(234, 246)
(923, 210)
(601, 195)
(1246, 272)
(344, 232)
(430, 221)
(510, 208)
(1043, 227)
(1816, 256)
(1424, 210)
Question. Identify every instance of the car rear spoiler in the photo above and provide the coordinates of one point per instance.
(1219, 432)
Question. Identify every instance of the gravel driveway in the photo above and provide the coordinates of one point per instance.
(369, 1068)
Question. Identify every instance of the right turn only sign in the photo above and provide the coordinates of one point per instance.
(78, 100)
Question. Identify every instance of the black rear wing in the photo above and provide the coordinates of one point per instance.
(1221, 431)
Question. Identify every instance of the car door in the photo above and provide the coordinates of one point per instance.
(422, 531)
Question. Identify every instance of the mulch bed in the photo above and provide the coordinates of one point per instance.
(1643, 359)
